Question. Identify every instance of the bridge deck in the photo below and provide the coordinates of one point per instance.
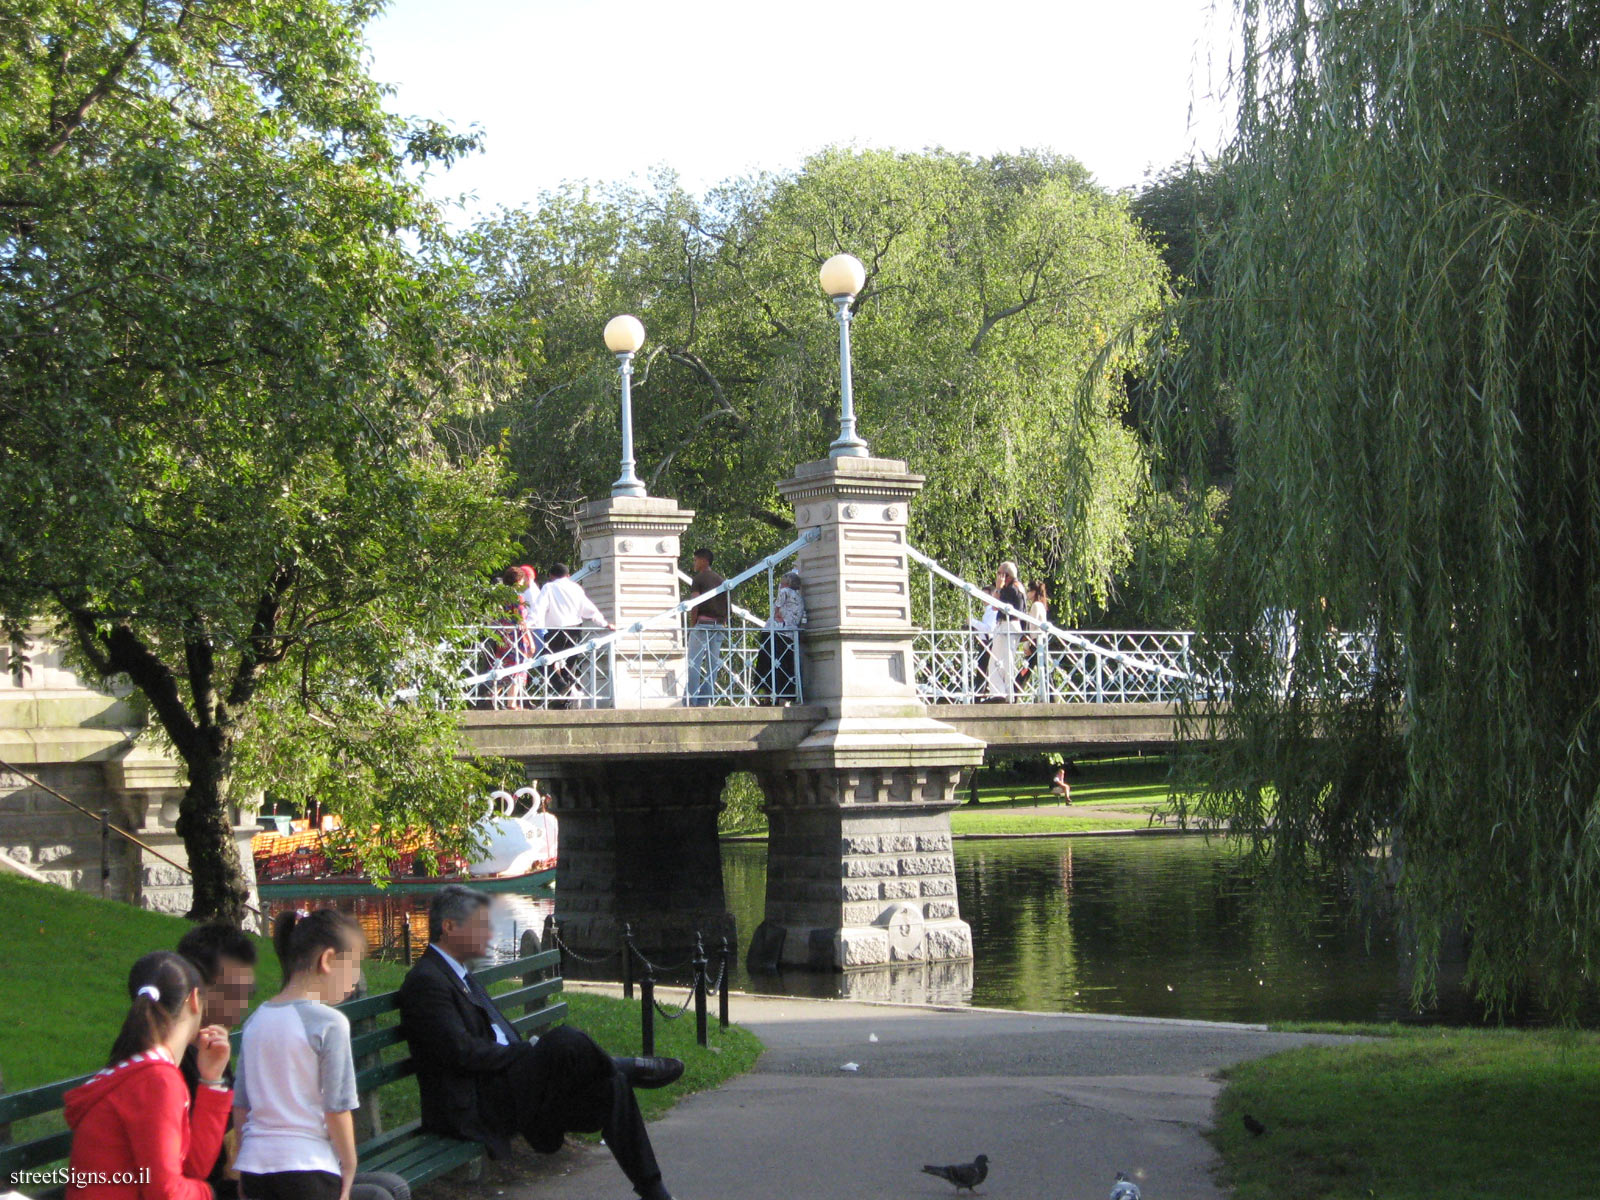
(596, 735)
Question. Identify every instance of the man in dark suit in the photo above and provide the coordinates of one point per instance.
(482, 1081)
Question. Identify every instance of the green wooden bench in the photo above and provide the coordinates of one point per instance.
(404, 1150)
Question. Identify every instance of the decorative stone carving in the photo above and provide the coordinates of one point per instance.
(848, 512)
(664, 546)
(625, 546)
(802, 515)
(891, 513)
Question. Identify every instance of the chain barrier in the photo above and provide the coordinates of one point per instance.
(555, 934)
(682, 1008)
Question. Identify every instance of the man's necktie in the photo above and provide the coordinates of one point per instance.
(480, 996)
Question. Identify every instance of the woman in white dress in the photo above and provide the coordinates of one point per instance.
(1007, 631)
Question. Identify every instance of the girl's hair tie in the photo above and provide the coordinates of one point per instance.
(150, 990)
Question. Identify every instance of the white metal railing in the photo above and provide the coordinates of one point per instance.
(1036, 665)
(1023, 659)
(661, 660)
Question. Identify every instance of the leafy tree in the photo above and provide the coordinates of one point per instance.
(992, 285)
(221, 373)
(1404, 315)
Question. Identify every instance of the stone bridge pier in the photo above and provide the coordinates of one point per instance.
(639, 846)
(859, 864)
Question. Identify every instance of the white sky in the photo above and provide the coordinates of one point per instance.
(570, 89)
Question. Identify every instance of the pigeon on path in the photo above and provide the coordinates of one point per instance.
(963, 1175)
(1255, 1127)
(1123, 1188)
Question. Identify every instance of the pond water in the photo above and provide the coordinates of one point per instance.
(1165, 927)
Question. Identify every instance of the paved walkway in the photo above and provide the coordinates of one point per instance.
(1058, 1103)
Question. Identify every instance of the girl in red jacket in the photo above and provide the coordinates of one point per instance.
(133, 1136)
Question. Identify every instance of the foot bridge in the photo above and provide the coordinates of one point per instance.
(861, 724)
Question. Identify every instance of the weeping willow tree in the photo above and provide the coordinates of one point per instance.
(1405, 334)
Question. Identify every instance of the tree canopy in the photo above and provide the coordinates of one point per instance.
(1403, 324)
(230, 330)
(992, 288)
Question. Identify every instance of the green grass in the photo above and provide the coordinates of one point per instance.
(64, 960)
(1008, 804)
(984, 824)
(1417, 1115)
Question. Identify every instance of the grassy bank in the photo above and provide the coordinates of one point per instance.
(1107, 793)
(64, 961)
(1416, 1115)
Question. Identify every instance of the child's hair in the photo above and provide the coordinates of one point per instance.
(171, 977)
(300, 940)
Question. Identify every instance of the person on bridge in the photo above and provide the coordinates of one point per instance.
(482, 1081)
(707, 631)
(1033, 635)
(777, 665)
(512, 646)
(1007, 629)
(562, 608)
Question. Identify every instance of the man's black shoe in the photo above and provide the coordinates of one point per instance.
(650, 1072)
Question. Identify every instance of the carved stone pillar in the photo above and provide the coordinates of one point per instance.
(859, 865)
(859, 868)
(636, 540)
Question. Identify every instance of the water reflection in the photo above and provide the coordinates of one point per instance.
(383, 918)
(1152, 927)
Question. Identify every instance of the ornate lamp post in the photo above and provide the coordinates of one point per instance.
(842, 278)
(624, 336)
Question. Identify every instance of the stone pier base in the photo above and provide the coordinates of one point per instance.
(859, 869)
(639, 847)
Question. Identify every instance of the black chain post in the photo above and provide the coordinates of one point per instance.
(548, 940)
(627, 961)
(105, 850)
(647, 1012)
(722, 985)
(699, 989)
(561, 945)
(405, 938)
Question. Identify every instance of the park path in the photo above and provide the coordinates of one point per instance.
(1059, 1103)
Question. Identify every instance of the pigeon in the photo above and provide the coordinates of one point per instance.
(1255, 1127)
(963, 1175)
(1123, 1188)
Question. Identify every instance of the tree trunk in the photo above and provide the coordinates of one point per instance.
(204, 825)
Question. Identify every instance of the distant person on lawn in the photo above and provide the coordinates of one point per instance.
(483, 1081)
(134, 1117)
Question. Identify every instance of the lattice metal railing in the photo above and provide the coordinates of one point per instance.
(1014, 657)
(662, 660)
(1030, 665)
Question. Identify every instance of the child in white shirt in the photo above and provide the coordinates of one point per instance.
(295, 1086)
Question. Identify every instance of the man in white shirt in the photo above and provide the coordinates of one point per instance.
(561, 609)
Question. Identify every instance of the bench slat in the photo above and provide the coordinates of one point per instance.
(548, 1015)
(426, 1156)
(521, 995)
(42, 1099)
(53, 1147)
(372, 1078)
(382, 1141)
(542, 961)
(363, 1044)
(445, 1161)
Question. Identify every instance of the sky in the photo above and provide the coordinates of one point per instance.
(568, 90)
